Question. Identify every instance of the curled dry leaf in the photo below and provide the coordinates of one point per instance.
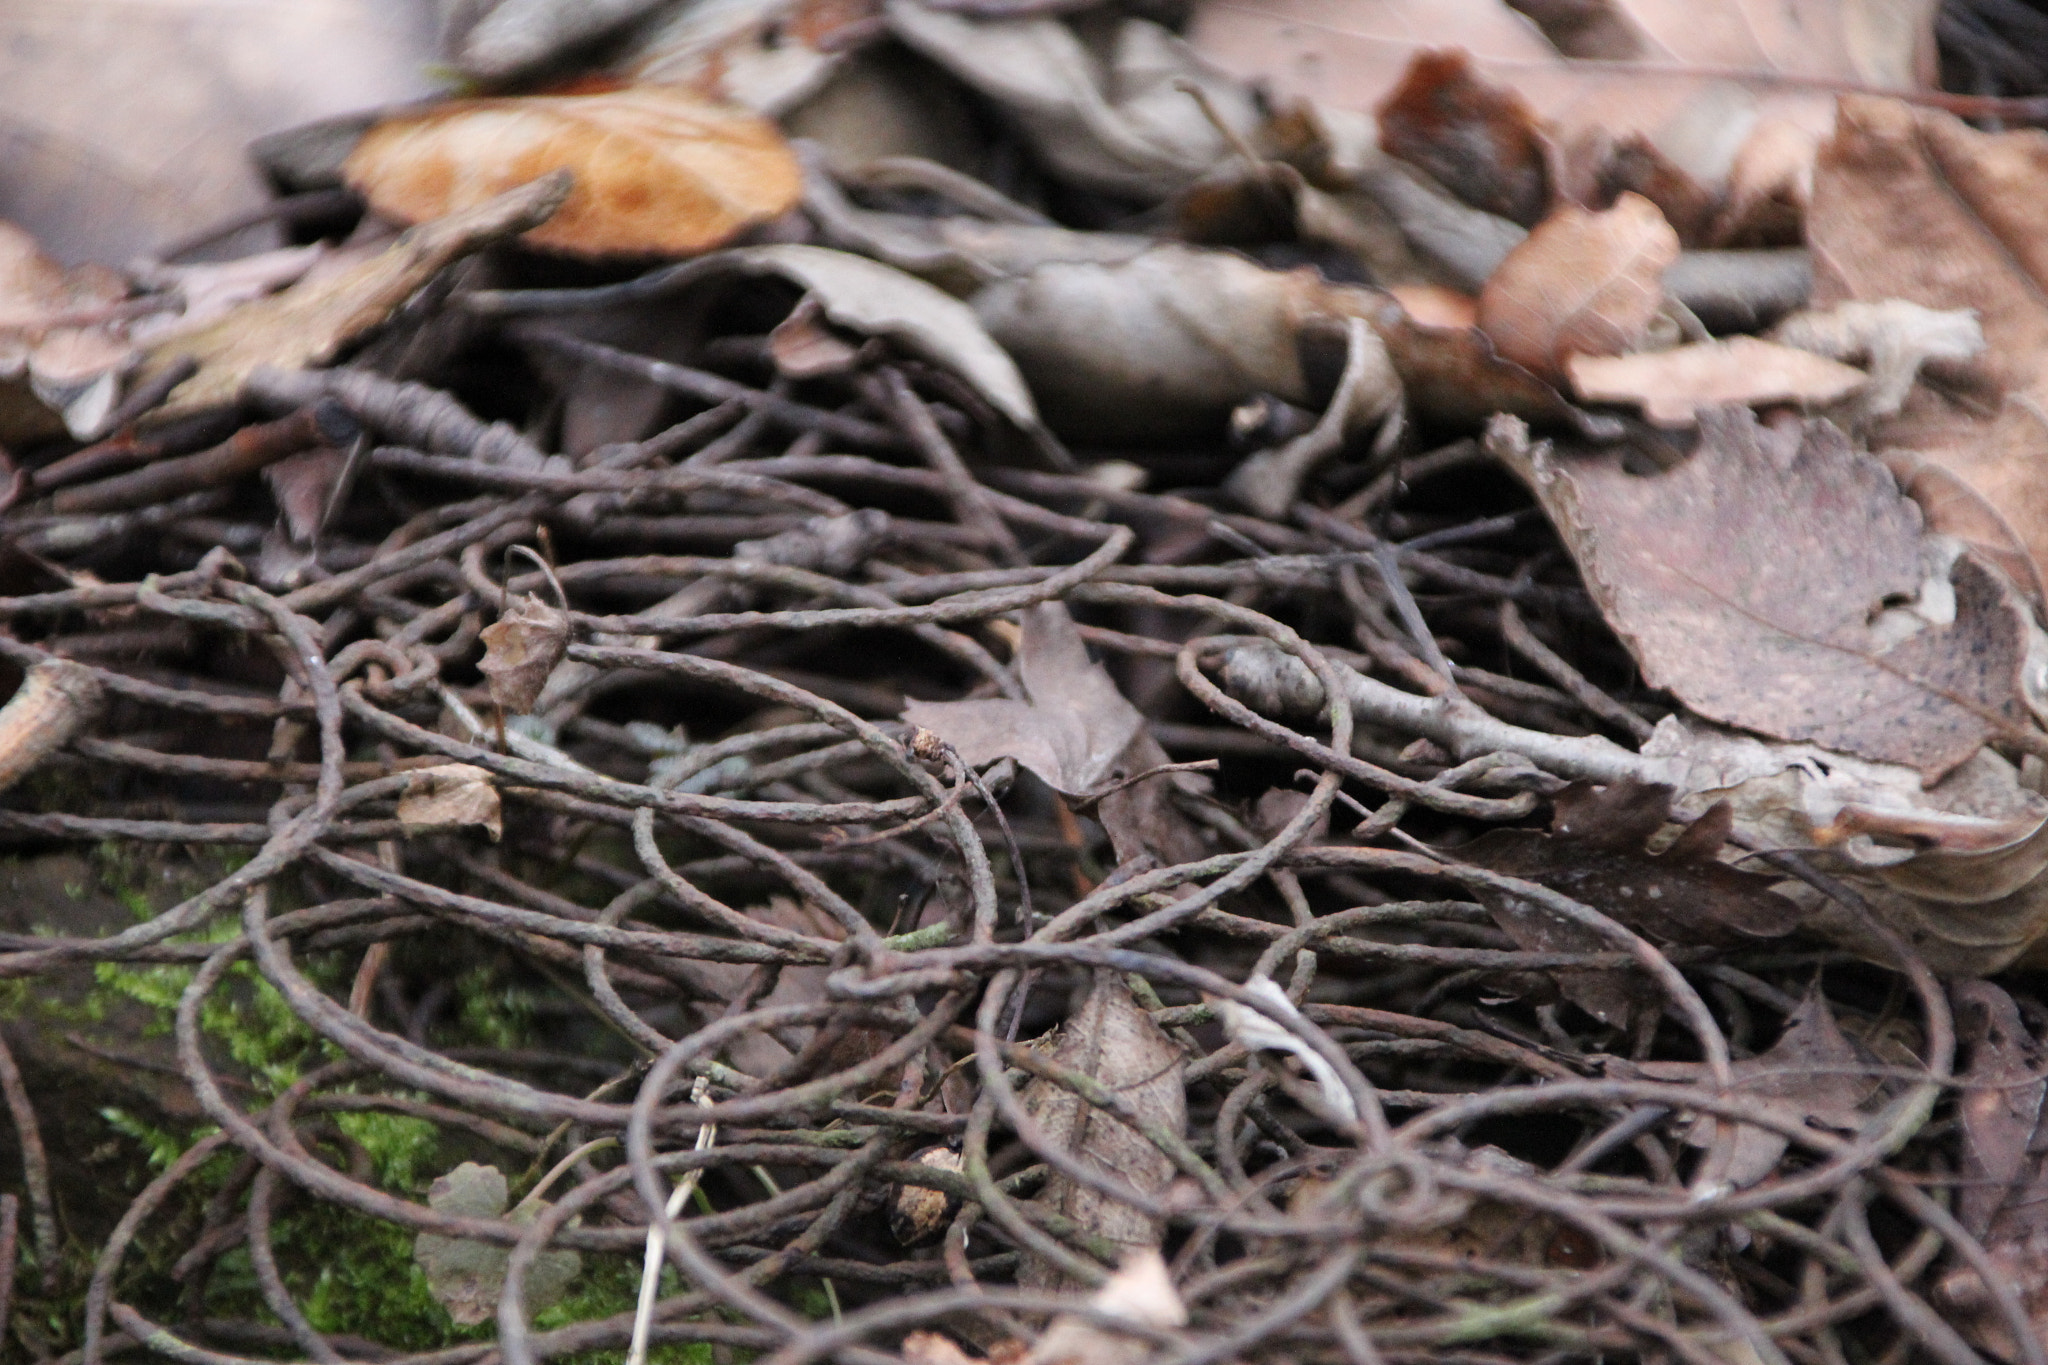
(1254, 1031)
(448, 797)
(521, 648)
(763, 55)
(1114, 1041)
(1892, 337)
(1915, 205)
(466, 1277)
(1124, 126)
(1672, 386)
(1582, 284)
(657, 171)
(1753, 582)
(1141, 1291)
(307, 325)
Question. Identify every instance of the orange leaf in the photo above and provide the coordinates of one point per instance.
(658, 171)
(1582, 284)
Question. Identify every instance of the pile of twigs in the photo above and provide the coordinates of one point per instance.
(752, 594)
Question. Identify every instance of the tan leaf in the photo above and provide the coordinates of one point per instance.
(451, 795)
(918, 1213)
(1913, 204)
(1141, 1291)
(1753, 582)
(521, 648)
(1671, 386)
(1111, 1039)
(658, 171)
(308, 324)
(1582, 284)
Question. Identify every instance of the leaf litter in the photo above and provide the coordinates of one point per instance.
(1385, 714)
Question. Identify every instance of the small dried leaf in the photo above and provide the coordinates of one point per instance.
(1582, 284)
(521, 648)
(1672, 386)
(1141, 1291)
(1111, 1039)
(302, 485)
(918, 1213)
(1999, 1105)
(450, 796)
(804, 348)
(466, 1277)
(1758, 582)
(658, 171)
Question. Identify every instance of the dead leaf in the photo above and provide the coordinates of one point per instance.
(512, 37)
(764, 55)
(449, 797)
(1582, 284)
(1123, 126)
(1113, 1040)
(1163, 346)
(1141, 1291)
(466, 1277)
(1672, 386)
(657, 171)
(2000, 1103)
(1477, 140)
(1597, 852)
(303, 484)
(1073, 730)
(1914, 205)
(1812, 1074)
(1893, 337)
(521, 648)
(1350, 57)
(1757, 580)
(804, 348)
(918, 1213)
(308, 324)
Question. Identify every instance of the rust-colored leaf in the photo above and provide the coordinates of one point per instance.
(1759, 582)
(658, 171)
(1477, 139)
(1582, 284)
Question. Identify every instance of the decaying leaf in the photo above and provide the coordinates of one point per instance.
(1750, 142)
(1597, 852)
(448, 797)
(62, 359)
(308, 324)
(763, 55)
(1812, 1074)
(466, 1277)
(1672, 386)
(1582, 284)
(1757, 582)
(1915, 205)
(1893, 337)
(1113, 1040)
(521, 648)
(657, 171)
(1141, 1291)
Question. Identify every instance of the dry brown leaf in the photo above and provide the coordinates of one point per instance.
(1672, 386)
(1477, 140)
(1913, 204)
(1812, 1074)
(918, 1213)
(521, 648)
(658, 171)
(308, 324)
(450, 796)
(1702, 123)
(763, 55)
(1113, 1040)
(1141, 1291)
(1582, 284)
(1754, 580)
